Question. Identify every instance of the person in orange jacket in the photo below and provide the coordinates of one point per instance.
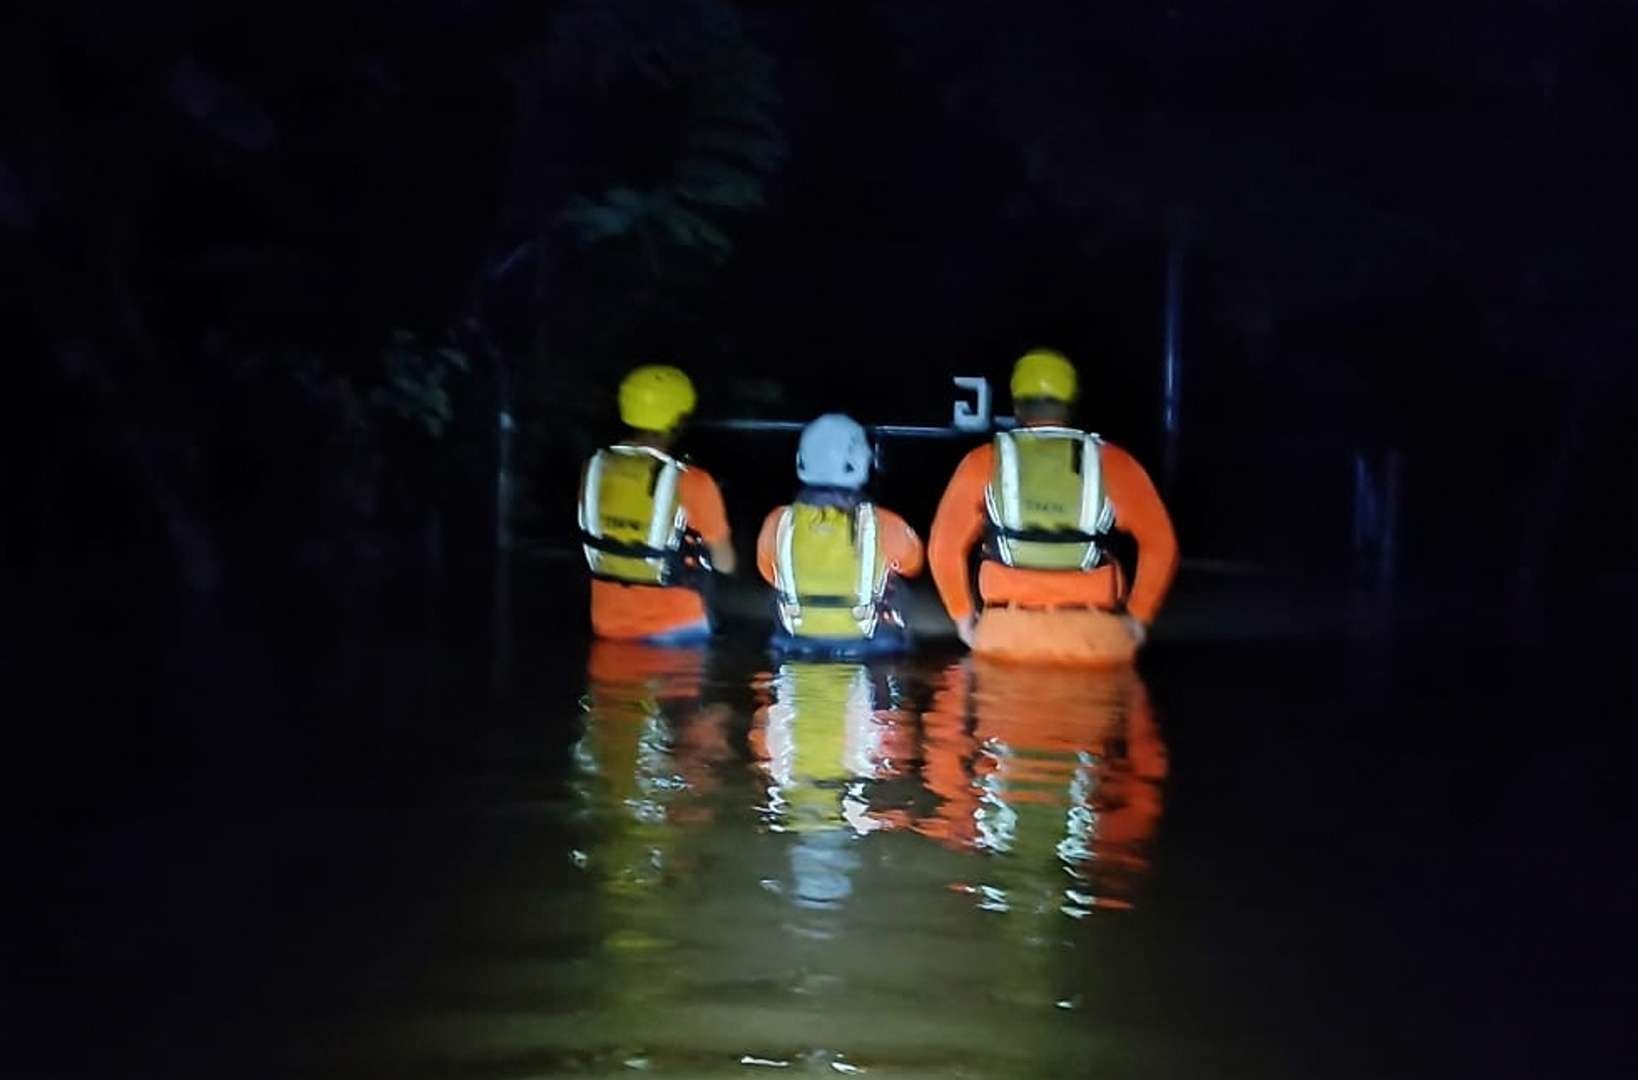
(1049, 502)
(652, 526)
(834, 557)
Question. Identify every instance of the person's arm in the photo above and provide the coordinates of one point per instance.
(702, 503)
(765, 543)
(900, 544)
(956, 528)
(1139, 511)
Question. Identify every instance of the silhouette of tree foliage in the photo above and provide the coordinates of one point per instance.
(322, 218)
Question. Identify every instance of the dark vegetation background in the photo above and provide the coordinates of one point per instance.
(276, 277)
(312, 312)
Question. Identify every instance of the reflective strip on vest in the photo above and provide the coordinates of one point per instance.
(790, 611)
(663, 530)
(866, 590)
(1008, 514)
(866, 545)
(1096, 515)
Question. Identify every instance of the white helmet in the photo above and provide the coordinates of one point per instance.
(834, 452)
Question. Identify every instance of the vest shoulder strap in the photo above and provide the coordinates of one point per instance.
(638, 450)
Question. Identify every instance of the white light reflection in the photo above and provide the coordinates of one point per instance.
(997, 822)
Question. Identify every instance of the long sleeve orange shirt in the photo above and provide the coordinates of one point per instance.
(960, 523)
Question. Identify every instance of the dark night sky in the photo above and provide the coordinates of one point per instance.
(1409, 225)
(256, 584)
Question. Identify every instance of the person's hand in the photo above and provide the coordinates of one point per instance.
(723, 560)
(967, 629)
(1135, 627)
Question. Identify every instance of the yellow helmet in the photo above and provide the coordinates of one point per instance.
(1044, 373)
(655, 397)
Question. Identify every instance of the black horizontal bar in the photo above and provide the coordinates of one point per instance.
(911, 431)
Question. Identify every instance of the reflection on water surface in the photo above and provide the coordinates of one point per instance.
(807, 866)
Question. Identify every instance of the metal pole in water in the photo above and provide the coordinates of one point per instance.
(500, 668)
(1388, 522)
(1363, 527)
(1172, 346)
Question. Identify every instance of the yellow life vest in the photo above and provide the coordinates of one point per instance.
(631, 519)
(1046, 501)
(829, 570)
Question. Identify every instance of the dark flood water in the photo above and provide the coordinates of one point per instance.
(1282, 852)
